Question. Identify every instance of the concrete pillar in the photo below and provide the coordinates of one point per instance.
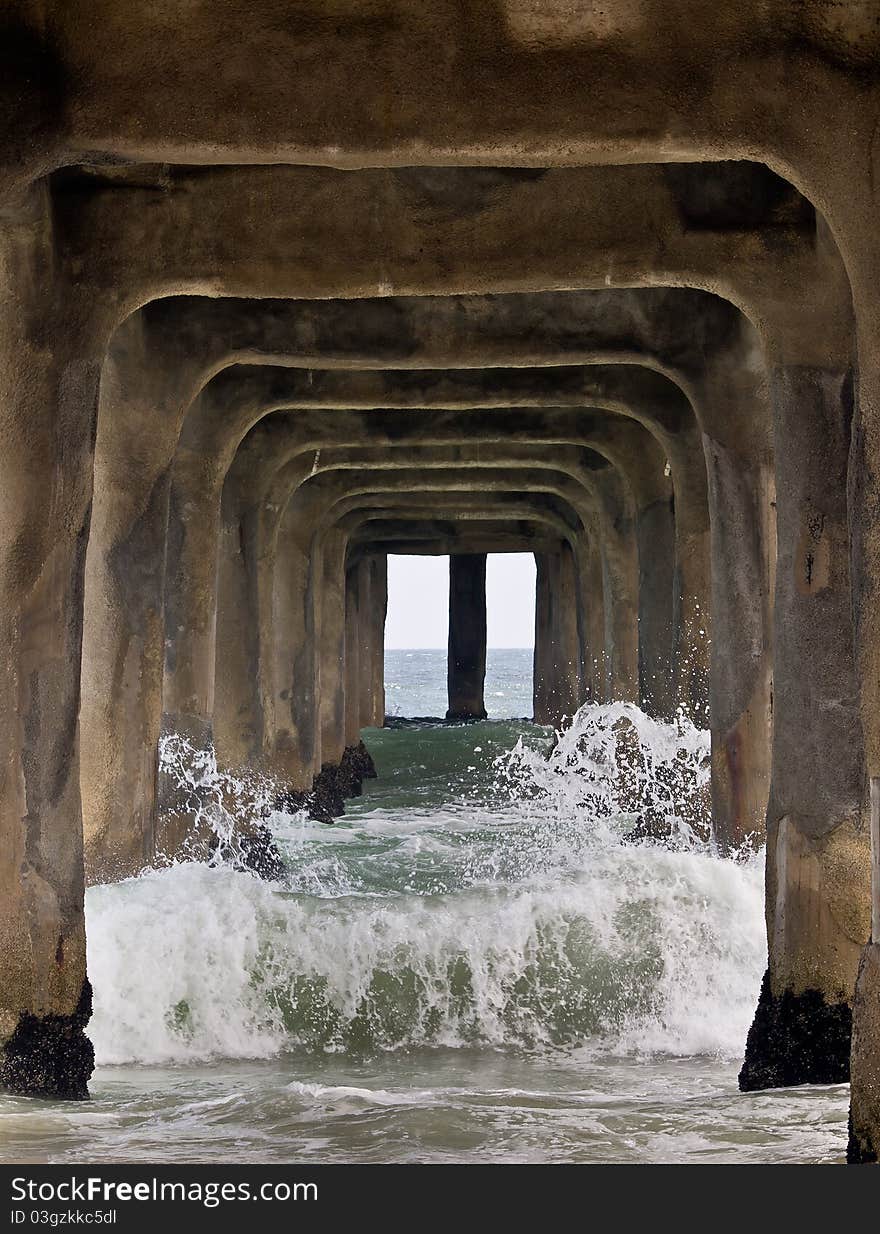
(692, 582)
(541, 660)
(357, 763)
(619, 558)
(150, 376)
(557, 662)
(190, 617)
(642, 500)
(121, 711)
(345, 762)
(466, 656)
(864, 1118)
(732, 402)
(372, 596)
(354, 619)
(190, 597)
(656, 551)
(818, 868)
(143, 391)
(591, 617)
(863, 488)
(378, 614)
(692, 628)
(295, 751)
(365, 634)
(242, 696)
(331, 648)
(192, 582)
(568, 648)
(258, 614)
(49, 373)
(864, 1115)
(740, 679)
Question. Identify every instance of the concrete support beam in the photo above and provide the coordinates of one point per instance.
(557, 659)
(818, 884)
(135, 224)
(466, 653)
(49, 370)
(685, 555)
(290, 745)
(373, 603)
(331, 648)
(863, 492)
(457, 503)
(458, 77)
(355, 620)
(140, 419)
(591, 619)
(238, 542)
(438, 538)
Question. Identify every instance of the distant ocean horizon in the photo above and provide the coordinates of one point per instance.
(415, 682)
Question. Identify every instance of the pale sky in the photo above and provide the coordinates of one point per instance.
(418, 601)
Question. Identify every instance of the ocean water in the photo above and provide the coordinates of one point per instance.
(415, 682)
(476, 964)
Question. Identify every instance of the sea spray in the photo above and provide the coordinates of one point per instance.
(518, 920)
(614, 761)
(224, 812)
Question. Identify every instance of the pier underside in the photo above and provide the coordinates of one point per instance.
(286, 296)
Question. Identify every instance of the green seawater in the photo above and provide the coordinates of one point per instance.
(473, 965)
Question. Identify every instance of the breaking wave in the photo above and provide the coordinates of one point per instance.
(565, 901)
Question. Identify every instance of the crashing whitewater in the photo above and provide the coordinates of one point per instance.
(573, 900)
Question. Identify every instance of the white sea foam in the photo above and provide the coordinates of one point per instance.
(524, 923)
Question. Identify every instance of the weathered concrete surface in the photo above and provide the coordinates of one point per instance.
(356, 626)
(591, 618)
(375, 604)
(466, 651)
(685, 558)
(162, 231)
(331, 648)
(244, 499)
(203, 556)
(793, 85)
(679, 205)
(203, 196)
(633, 451)
(194, 200)
(636, 454)
(863, 490)
(340, 499)
(214, 193)
(337, 780)
(513, 83)
(558, 656)
(48, 397)
(865, 1061)
(290, 748)
(130, 550)
(531, 483)
(367, 514)
(305, 467)
(441, 537)
(818, 870)
(127, 548)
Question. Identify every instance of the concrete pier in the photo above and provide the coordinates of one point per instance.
(253, 340)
